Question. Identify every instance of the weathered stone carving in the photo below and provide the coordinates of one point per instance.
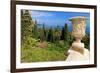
(77, 50)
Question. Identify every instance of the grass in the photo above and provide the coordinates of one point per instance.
(41, 55)
(32, 52)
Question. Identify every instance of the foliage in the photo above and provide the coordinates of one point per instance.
(86, 41)
(35, 31)
(66, 32)
(26, 25)
(43, 34)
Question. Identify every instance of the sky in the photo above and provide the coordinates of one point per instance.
(57, 18)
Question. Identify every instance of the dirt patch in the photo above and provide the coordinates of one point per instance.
(42, 45)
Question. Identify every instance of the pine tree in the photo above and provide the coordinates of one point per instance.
(62, 34)
(57, 34)
(26, 25)
(35, 30)
(43, 34)
(66, 32)
(50, 35)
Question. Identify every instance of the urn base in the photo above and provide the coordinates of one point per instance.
(77, 52)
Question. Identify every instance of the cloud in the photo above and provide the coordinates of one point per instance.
(40, 14)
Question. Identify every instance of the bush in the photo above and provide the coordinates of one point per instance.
(30, 43)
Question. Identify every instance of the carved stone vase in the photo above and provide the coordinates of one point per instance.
(77, 50)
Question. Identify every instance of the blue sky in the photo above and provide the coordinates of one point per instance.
(56, 18)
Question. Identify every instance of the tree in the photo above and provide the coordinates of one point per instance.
(62, 34)
(35, 30)
(43, 34)
(86, 41)
(26, 25)
(65, 32)
(56, 34)
(71, 39)
(50, 35)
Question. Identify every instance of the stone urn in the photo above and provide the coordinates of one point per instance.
(77, 50)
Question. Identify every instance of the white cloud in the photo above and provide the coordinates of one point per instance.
(40, 14)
